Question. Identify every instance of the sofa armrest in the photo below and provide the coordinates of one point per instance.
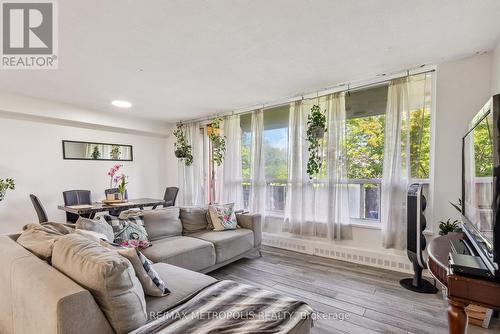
(252, 221)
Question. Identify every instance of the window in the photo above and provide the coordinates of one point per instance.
(365, 112)
(246, 151)
(276, 156)
(365, 125)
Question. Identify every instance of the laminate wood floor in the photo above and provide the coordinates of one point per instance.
(371, 297)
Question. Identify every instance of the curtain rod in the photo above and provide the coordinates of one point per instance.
(343, 87)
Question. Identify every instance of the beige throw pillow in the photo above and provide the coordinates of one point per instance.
(222, 217)
(40, 238)
(109, 277)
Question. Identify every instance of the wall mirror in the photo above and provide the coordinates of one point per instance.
(80, 150)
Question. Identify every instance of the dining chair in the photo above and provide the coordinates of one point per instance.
(170, 196)
(76, 197)
(40, 210)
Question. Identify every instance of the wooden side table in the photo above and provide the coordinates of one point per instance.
(462, 290)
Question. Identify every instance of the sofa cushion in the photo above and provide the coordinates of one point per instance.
(185, 252)
(194, 219)
(108, 276)
(228, 244)
(161, 223)
(183, 283)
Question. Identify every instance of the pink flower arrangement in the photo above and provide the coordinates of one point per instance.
(112, 173)
(135, 244)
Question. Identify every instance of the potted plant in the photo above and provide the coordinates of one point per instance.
(316, 129)
(449, 226)
(122, 185)
(218, 140)
(95, 153)
(7, 184)
(458, 205)
(183, 150)
(115, 152)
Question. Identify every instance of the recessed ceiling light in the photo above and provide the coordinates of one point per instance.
(121, 104)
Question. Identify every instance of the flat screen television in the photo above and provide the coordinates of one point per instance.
(481, 184)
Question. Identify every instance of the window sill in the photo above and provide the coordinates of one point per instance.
(371, 225)
(276, 215)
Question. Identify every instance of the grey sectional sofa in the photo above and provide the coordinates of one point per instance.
(37, 298)
(181, 237)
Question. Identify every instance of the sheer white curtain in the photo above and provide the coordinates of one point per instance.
(317, 207)
(396, 170)
(338, 189)
(191, 180)
(229, 188)
(257, 201)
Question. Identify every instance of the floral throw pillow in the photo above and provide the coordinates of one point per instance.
(129, 232)
(222, 217)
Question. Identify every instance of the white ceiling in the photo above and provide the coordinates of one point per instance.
(184, 59)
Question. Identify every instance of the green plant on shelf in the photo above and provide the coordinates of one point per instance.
(448, 226)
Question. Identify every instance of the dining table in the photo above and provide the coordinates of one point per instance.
(92, 209)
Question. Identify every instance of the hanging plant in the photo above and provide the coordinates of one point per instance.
(316, 128)
(7, 184)
(183, 150)
(218, 141)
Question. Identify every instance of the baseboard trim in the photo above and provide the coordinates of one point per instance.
(344, 253)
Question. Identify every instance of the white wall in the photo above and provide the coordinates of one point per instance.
(495, 73)
(463, 87)
(31, 153)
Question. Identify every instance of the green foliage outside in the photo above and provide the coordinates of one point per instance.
(483, 148)
(276, 159)
(364, 146)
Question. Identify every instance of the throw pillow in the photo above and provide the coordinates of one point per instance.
(109, 277)
(193, 219)
(40, 238)
(161, 223)
(223, 217)
(129, 232)
(95, 225)
(151, 282)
